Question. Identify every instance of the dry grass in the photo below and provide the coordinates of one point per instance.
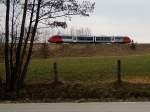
(93, 50)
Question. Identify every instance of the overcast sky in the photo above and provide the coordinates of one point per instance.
(117, 17)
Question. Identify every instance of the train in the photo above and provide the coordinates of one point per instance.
(89, 39)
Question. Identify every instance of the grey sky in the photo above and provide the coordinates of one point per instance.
(118, 17)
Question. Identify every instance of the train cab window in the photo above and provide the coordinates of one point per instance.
(118, 38)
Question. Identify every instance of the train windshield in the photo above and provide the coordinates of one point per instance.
(118, 38)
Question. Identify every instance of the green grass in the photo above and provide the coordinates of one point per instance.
(72, 69)
(88, 78)
(103, 69)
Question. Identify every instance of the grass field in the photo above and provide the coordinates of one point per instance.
(135, 69)
(88, 74)
(87, 79)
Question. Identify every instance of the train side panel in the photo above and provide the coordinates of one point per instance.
(89, 39)
(67, 39)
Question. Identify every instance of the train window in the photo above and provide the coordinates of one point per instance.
(103, 38)
(107, 39)
(85, 38)
(118, 38)
(66, 37)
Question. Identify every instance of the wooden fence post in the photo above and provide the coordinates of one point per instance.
(56, 78)
(0, 82)
(56, 81)
(119, 79)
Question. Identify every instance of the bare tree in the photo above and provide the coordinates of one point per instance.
(1, 46)
(32, 13)
(1, 38)
(82, 31)
(44, 49)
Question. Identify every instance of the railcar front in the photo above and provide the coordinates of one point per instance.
(55, 39)
(123, 39)
(126, 40)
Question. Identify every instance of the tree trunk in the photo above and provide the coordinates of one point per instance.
(28, 34)
(23, 74)
(7, 65)
(11, 51)
(18, 66)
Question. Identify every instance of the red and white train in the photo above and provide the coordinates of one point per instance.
(89, 39)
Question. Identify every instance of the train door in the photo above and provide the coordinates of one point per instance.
(74, 38)
(113, 39)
